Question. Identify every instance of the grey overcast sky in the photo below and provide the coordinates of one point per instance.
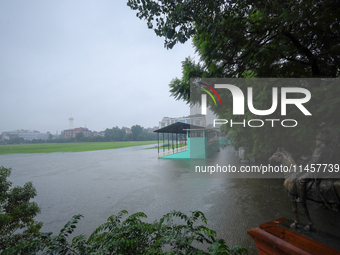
(93, 59)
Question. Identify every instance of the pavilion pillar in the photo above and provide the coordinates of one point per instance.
(172, 142)
(176, 141)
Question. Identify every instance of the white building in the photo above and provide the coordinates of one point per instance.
(197, 120)
(26, 134)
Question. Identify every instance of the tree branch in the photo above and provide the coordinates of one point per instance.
(306, 52)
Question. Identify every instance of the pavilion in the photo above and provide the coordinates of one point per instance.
(183, 141)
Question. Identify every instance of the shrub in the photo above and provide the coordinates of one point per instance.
(17, 212)
(20, 234)
(133, 236)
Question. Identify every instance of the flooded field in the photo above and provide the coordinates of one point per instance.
(98, 184)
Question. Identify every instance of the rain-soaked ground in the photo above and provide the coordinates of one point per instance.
(98, 184)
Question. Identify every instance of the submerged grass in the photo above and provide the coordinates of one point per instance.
(68, 147)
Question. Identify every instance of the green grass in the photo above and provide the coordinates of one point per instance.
(68, 147)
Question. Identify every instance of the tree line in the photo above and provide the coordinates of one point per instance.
(138, 133)
(257, 39)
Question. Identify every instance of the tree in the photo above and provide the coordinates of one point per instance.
(180, 88)
(108, 135)
(136, 130)
(119, 134)
(17, 212)
(251, 38)
(16, 140)
(98, 138)
(80, 137)
(270, 38)
(115, 134)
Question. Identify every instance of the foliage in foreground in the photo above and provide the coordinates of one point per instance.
(262, 39)
(17, 212)
(132, 236)
(268, 38)
(174, 233)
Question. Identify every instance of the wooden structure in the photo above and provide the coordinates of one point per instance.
(270, 238)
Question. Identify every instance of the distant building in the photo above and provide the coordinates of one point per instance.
(25, 134)
(101, 133)
(197, 120)
(150, 130)
(70, 133)
(127, 130)
(8, 135)
(33, 135)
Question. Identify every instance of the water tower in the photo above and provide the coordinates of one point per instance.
(71, 122)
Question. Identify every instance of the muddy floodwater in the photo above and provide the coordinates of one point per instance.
(98, 184)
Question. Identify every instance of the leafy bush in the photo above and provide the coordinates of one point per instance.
(174, 233)
(133, 236)
(16, 212)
